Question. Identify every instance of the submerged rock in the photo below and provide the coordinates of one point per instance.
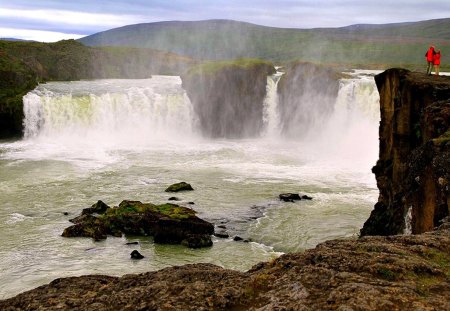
(181, 186)
(136, 255)
(167, 223)
(289, 197)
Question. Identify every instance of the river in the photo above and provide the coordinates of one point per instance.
(113, 140)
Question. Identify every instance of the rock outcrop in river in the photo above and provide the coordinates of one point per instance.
(167, 223)
(228, 97)
(413, 170)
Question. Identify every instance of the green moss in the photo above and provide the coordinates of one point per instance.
(212, 67)
(439, 259)
(387, 274)
(442, 140)
(174, 211)
(129, 208)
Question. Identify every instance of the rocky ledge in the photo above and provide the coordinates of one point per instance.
(413, 169)
(167, 223)
(410, 272)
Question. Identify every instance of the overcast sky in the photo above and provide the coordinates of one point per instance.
(53, 20)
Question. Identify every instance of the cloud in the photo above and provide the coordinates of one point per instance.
(36, 35)
(81, 17)
(70, 17)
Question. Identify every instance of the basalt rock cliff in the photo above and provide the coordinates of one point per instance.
(413, 170)
(307, 94)
(228, 97)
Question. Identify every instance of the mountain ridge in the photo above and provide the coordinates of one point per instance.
(219, 39)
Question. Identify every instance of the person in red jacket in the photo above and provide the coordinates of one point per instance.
(437, 62)
(430, 58)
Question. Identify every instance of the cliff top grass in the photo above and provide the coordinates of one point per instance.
(212, 67)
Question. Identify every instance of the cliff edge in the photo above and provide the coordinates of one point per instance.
(413, 170)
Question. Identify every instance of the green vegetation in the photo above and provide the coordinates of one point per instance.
(442, 140)
(362, 46)
(213, 67)
(129, 208)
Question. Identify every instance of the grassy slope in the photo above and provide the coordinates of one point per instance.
(368, 45)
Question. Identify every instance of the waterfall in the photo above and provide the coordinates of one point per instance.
(109, 111)
(408, 221)
(271, 118)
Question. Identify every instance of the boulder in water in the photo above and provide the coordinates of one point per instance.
(181, 186)
(136, 255)
(167, 223)
(289, 197)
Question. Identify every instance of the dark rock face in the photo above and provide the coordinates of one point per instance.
(372, 273)
(413, 170)
(16, 79)
(167, 223)
(181, 186)
(307, 94)
(228, 97)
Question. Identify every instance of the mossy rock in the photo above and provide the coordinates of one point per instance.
(167, 223)
(181, 186)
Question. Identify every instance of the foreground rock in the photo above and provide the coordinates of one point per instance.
(167, 223)
(372, 273)
(413, 170)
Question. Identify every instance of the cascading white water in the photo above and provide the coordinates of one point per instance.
(271, 118)
(408, 222)
(109, 112)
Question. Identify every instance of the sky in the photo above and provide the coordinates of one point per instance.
(53, 20)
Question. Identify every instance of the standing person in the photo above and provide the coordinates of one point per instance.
(437, 62)
(430, 57)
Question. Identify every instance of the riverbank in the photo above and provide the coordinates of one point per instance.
(372, 273)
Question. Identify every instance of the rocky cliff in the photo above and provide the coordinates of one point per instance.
(307, 94)
(413, 170)
(228, 97)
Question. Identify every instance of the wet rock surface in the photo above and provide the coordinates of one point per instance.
(372, 273)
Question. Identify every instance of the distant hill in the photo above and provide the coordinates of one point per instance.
(390, 44)
(15, 39)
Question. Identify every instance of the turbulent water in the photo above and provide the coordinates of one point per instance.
(129, 139)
